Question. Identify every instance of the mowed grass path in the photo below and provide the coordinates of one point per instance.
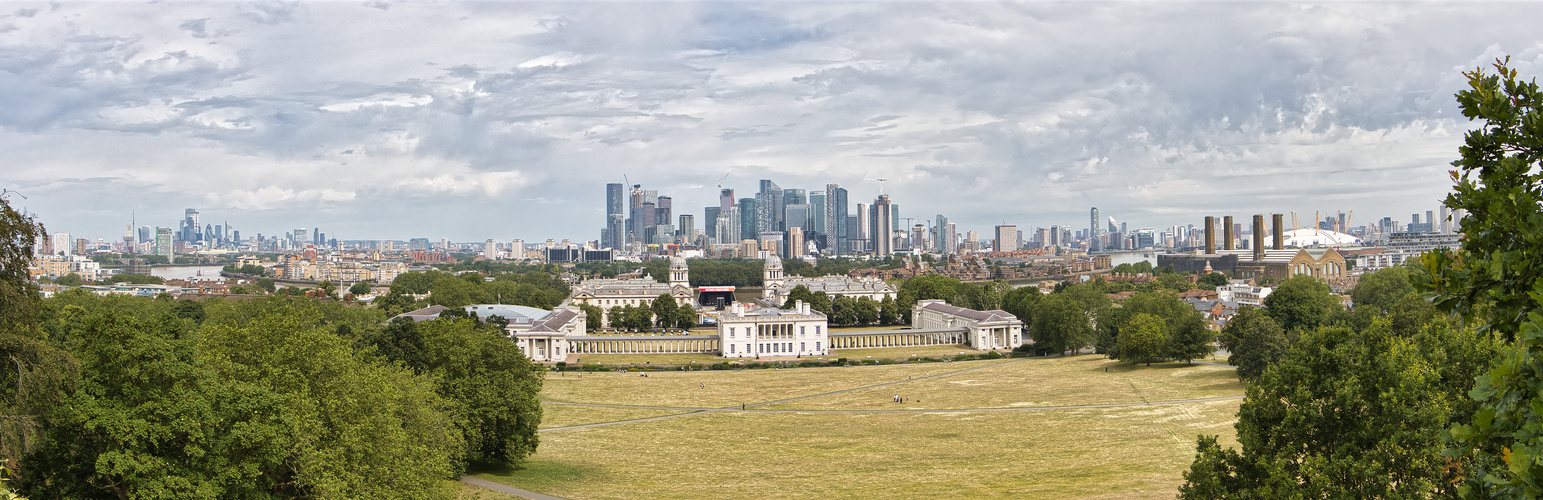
(801, 451)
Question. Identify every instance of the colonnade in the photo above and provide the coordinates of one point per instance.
(662, 345)
(889, 339)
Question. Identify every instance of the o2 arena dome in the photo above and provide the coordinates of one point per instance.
(1308, 237)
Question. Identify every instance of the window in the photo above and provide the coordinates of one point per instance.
(801, 347)
(801, 330)
(816, 347)
(731, 348)
(816, 329)
(731, 332)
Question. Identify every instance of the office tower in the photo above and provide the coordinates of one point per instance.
(836, 218)
(940, 239)
(614, 232)
(163, 240)
(1007, 238)
(796, 215)
(663, 210)
(918, 237)
(710, 222)
(1446, 220)
(687, 228)
(794, 196)
(795, 242)
(747, 219)
(952, 238)
(1094, 244)
(729, 225)
(769, 203)
(883, 241)
(972, 241)
(1041, 237)
(635, 214)
(853, 243)
(726, 200)
(817, 213)
(60, 244)
(894, 217)
(861, 229)
(145, 236)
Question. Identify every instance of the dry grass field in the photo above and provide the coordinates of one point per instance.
(1000, 440)
(936, 351)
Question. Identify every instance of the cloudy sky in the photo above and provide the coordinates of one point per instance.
(505, 120)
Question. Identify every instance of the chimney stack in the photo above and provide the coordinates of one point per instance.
(1278, 234)
(1258, 237)
(1227, 235)
(1210, 235)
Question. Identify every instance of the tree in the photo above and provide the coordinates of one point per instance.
(1300, 303)
(618, 316)
(38, 376)
(1212, 280)
(1381, 288)
(495, 388)
(889, 311)
(928, 287)
(1492, 281)
(359, 288)
(265, 284)
(664, 309)
(1348, 414)
(1060, 324)
(865, 311)
(71, 279)
(1021, 301)
(1144, 339)
(592, 315)
(798, 293)
(1255, 340)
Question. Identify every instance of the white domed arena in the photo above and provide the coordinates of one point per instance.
(1308, 237)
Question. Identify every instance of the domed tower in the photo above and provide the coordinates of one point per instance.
(679, 275)
(771, 277)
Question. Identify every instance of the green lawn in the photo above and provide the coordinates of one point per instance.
(1035, 382)
(1109, 453)
(723, 388)
(556, 415)
(846, 445)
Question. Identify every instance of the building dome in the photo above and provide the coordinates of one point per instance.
(773, 262)
(677, 262)
(1308, 237)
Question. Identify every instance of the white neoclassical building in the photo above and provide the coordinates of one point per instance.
(608, 293)
(984, 329)
(761, 332)
(776, 286)
(545, 339)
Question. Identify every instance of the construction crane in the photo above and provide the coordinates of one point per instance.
(881, 184)
(720, 181)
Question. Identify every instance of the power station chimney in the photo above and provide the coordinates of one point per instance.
(1278, 233)
(1227, 232)
(1210, 235)
(1258, 237)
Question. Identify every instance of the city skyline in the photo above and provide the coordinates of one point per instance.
(397, 121)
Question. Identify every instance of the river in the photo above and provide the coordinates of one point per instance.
(187, 272)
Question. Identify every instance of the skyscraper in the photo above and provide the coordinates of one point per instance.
(1094, 231)
(1007, 238)
(710, 222)
(747, 217)
(768, 207)
(861, 229)
(883, 242)
(163, 243)
(817, 213)
(836, 218)
(615, 216)
(942, 241)
(687, 228)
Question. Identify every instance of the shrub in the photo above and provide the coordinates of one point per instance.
(963, 357)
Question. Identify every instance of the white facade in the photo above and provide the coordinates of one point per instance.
(986, 329)
(546, 339)
(1243, 293)
(608, 293)
(776, 286)
(769, 332)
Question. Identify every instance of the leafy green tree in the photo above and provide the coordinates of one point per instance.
(821, 302)
(928, 287)
(843, 310)
(359, 288)
(71, 279)
(592, 314)
(1060, 324)
(1493, 280)
(665, 309)
(618, 316)
(1348, 414)
(37, 376)
(890, 312)
(494, 385)
(138, 279)
(1212, 280)
(640, 318)
(1255, 341)
(865, 311)
(1021, 301)
(1411, 313)
(1144, 339)
(1381, 288)
(798, 293)
(265, 284)
(1300, 303)
(454, 292)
